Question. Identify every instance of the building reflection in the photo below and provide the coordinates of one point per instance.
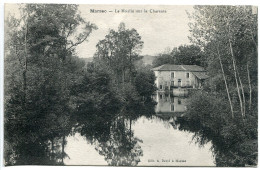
(169, 107)
(167, 103)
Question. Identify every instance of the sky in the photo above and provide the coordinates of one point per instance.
(158, 30)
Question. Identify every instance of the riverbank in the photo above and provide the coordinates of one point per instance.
(234, 140)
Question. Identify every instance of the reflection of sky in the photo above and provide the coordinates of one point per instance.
(160, 141)
(82, 153)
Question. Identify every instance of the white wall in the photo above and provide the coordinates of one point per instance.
(163, 77)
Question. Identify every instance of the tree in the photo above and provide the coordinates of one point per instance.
(43, 43)
(227, 35)
(163, 59)
(144, 82)
(189, 55)
(119, 50)
(183, 55)
(231, 33)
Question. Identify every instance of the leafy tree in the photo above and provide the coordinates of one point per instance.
(189, 55)
(183, 55)
(119, 51)
(233, 142)
(144, 82)
(227, 35)
(162, 59)
(40, 58)
(229, 32)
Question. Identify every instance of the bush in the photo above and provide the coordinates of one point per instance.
(208, 116)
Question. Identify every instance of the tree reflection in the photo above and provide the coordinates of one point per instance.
(36, 153)
(122, 148)
(232, 152)
(113, 136)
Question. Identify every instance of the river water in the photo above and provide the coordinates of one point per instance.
(153, 140)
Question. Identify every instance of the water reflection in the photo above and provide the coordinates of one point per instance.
(168, 103)
(151, 133)
(122, 148)
(170, 107)
(113, 136)
(140, 135)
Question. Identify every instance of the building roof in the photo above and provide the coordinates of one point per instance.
(171, 67)
(200, 75)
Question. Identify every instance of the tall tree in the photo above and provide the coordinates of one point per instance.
(43, 42)
(119, 51)
(233, 30)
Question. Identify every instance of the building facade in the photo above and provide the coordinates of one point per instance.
(170, 76)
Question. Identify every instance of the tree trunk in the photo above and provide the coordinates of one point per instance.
(52, 150)
(224, 77)
(243, 94)
(130, 130)
(130, 124)
(235, 73)
(123, 76)
(250, 87)
(235, 70)
(130, 68)
(25, 64)
(24, 85)
(62, 151)
(252, 36)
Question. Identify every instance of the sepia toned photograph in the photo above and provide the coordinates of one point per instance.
(130, 85)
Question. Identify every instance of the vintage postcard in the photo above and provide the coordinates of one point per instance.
(131, 85)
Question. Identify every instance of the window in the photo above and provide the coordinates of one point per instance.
(172, 74)
(172, 99)
(160, 86)
(179, 82)
(172, 83)
(166, 97)
(172, 107)
(160, 96)
(179, 101)
(188, 83)
(187, 75)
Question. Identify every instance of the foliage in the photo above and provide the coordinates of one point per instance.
(144, 82)
(49, 90)
(225, 112)
(119, 51)
(40, 70)
(183, 55)
(228, 35)
(233, 141)
(118, 54)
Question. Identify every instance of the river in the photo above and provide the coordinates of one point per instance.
(144, 140)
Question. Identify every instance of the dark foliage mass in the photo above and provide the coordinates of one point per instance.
(50, 93)
(183, 55)
(234, 141)
(225, 111)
